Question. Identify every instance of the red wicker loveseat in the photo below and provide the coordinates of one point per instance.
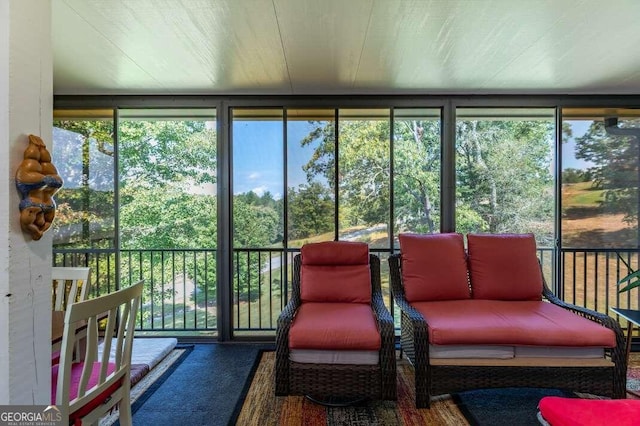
(335, 337)
(485, 318)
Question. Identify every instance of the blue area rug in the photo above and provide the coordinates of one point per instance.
(206, 389)
(506, 406)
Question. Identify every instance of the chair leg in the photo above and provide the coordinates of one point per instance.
(125, 408)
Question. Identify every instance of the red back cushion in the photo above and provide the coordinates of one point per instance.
(504, 267)
(335, 271)
(434, 267)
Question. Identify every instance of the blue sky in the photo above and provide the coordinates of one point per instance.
(569, 161)
(258, 156)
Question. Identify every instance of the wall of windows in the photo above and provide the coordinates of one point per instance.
(210, 199)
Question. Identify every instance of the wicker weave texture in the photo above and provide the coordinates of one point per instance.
(435, 380)
(331, 380)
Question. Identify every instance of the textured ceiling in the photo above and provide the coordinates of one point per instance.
(296, 47)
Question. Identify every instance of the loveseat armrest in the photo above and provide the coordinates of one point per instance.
(414, 336)
(618, 353)
(397, 290)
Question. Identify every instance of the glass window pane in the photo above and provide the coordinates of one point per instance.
(363, 176)
(83, 152)
(600, 205)
(167, 179)
(504, 171)
(600, 178)
(258, 178)
(168, 223)
(416, 173)
(84, 226)
(310, 176)
(258, 217)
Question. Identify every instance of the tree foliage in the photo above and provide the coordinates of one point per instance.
(416, 176)
(615, 169)
(311, 211)
(504, 176)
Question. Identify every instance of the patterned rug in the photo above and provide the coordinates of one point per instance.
(262, 407)
(633, 373)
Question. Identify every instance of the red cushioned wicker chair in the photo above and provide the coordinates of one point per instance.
(335, 337)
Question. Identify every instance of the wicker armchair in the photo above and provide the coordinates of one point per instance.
(325, 381)
(433, 378)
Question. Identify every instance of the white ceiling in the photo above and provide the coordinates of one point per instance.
(297, 47)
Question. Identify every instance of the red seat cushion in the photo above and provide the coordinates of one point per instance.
(434, 267)
(559, 411)
(55, 357)
(504, 267)
(497, 322)
(335, 271)
(334, 326)
(76, 374)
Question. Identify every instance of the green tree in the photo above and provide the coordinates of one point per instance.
(572, 175)
(503, 174)
(363, 169)
(88, 186)
(310, 211)
(615, 169)
(416, 177)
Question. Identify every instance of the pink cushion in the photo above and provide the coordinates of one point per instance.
(336, 271)
(76, 374)
(497, 322)
(434, 267)
(504, 267)
(336, 326)
(559, 411)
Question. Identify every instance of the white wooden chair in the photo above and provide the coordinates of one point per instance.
(70, 285)
(79, 278)
(87, 390)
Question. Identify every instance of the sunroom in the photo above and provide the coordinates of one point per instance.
(203, 144)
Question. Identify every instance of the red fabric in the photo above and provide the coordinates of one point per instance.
(76, 374)
(559, 411)
(335, 326)
(497, 322)
(434, 267)
(349, 283)
(336, 271)
(55, 357)
(335, 253)
(504, 267)
(137, 372)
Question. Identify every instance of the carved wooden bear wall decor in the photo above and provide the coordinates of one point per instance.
(37, 181)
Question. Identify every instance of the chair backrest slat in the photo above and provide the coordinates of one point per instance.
(77, 277)
(90, 356)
